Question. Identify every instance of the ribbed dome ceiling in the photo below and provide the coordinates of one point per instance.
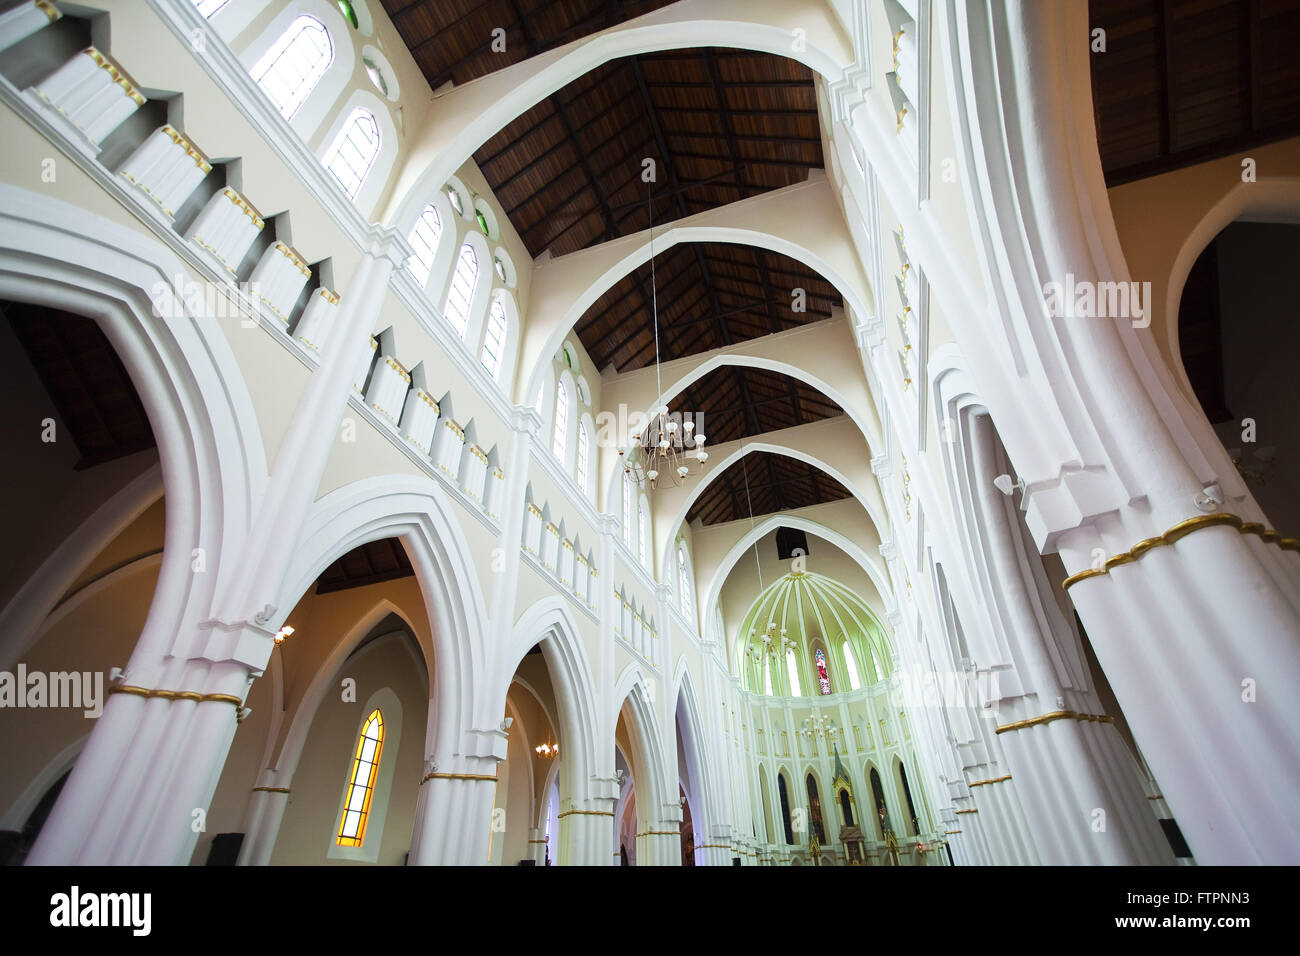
(813, 612)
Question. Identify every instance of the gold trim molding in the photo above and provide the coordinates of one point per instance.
(1054, 715)
(981, 783)
(195, 696)
(457, 776)
(585, 813)
(967, 811)
(1177, 533)
(270, 789)
(660, 833)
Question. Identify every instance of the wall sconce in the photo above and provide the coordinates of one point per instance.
(281, 634)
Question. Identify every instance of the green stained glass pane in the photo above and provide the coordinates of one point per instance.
(349, 14)
(482, 221)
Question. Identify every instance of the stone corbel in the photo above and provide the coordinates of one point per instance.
(1077, 496)
(243, 642)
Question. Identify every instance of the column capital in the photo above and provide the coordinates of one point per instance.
(242, 642)
(386, 242)
(525, 418)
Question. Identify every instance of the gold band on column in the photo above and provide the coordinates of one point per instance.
(270, 789)
(457, 776)
(180, 695)
(966, 811)
(982, 783)
(1054, 715)
(660, 833)
(586, 813)
(1177, 533)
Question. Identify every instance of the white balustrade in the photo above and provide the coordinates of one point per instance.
(495, 488)
(905, 61)
(533, 529)
(565, 566)
(365, 361)
(388, 388)
(550, 545)
(226, 226)
(92, 92)
(317, 318)
(22, 21)
(448, 444)
(475, 469)
(167, 168)
(278, 279)
(581, 577)
(419, 419)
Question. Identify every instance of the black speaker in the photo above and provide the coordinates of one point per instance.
(735, 861)
(527, 862)
(225, 849)
(789, 541)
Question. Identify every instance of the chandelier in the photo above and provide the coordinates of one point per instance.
(821, 724)
(667, 445)
(547, 750)
(768, 643)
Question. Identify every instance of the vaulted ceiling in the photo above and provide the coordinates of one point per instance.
(735, 401)
(721, 125)
(1183, 81)
(710, 295)
(765, 483)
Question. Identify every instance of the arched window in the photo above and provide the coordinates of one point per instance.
(584, 452)
(290, 70)
(627, 509)
(785, 809)
(854, 681)
(683, 579)
(642, 539)
(823, 678)
(494, 340)
(354, 151)
(424, 239)
(560, 435)
(461, 292)
(361, 785)
(792, 672)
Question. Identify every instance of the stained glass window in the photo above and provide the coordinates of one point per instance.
(627, 509)
(584, 450)
(461, 292)
(354, 151)
(560, 437)
(822, 677)
(424, 240)
(290, 70)
(361, 785)
(494, 340)
(457, 203)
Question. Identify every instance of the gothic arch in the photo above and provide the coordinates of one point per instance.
(202, 416)
(550, 623)
(770, 524)
(468, 116)
(416, 511)
(803, 213)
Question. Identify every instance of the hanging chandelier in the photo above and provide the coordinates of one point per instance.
(670, 445)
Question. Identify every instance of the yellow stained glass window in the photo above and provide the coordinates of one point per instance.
(361, 785)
